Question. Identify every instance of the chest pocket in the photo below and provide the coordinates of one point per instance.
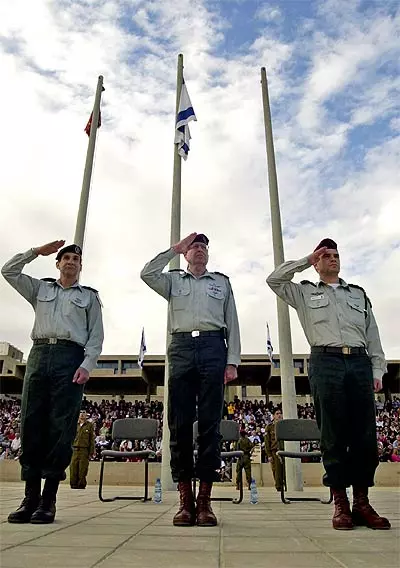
(180, 292)
(77, 305)
(46, 301)
(215, 292)
(319, 309)
(357, 312)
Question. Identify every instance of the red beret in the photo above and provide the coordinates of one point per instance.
(201, 238)
(328, 243)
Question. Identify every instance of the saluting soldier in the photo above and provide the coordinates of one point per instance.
(83, 449)
(346, 366)
(271, 447)
(203, 353)
(246, 446)
(67, 340)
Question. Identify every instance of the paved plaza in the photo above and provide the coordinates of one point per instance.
(88, 534)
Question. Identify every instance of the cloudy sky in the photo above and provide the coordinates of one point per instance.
(333, 70)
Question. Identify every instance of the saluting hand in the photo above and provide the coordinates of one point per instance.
(230, 374)
(50, 248)
(183, 245)
(81, 376)
(314, 257)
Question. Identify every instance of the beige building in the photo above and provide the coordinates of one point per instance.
(117, 375)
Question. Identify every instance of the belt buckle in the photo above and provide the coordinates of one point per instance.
(195, 333)
(52, 341)
(346, 350)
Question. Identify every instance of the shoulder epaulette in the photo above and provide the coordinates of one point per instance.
(308, 282)
(96, 293)
(364, 292)
(220, 273)
(176, 270)
(92, 289)
(48, 279)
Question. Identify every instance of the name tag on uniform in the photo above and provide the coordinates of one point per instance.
(215, 290)
(78, 301)
(317, 297)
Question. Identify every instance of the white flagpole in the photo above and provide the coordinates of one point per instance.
(87, 175)
(166, 477)
(289, 406)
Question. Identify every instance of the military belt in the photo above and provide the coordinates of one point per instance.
(197, 333)
(55, 341)
(345, 350)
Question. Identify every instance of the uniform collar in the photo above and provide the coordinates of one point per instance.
(342, 283)
(205, 275)
(75, 285)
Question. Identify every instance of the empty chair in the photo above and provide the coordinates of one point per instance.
(130, 429)
(298, 430)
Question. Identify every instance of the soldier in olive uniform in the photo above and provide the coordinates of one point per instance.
(346, 366)
(83, 447)
(67, 340)
(246, 446)
(203, 353)
(271, 447)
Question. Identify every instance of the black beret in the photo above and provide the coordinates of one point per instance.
(70, 248)
(200, 238)
(328, 243)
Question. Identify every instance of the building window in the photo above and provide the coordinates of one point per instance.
(108, 365)
(299, 364)
(129, 365)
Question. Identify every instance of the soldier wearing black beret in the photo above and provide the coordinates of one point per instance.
(346, 366)
(67, 340)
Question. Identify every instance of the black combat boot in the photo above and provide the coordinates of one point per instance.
(46, 510)
(29, 504)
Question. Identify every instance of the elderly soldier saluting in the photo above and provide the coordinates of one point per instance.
(67, 339)
(346, 366)
(203, 354)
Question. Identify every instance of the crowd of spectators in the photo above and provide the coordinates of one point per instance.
(254, 416)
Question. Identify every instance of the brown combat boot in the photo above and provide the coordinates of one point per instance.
(186, 515)
(363, 514)
(204, 513)
(341, 520)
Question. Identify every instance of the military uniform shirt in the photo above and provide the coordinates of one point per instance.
(72, 313)
(333, 317)
(203, 303)
(85, 436)
(245, 445)
(271, 444)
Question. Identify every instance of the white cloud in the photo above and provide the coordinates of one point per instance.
(52, 53)
(268, 13)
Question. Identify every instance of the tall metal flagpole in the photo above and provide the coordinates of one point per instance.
(293, 467)
(87, 175)
(166, 478)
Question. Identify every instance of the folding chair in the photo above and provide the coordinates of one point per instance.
(230, 432)
(298, 430)
(130, 429)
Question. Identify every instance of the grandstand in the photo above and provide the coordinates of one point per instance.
(121, 374)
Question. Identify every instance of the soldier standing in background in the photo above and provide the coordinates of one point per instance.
(83, 449)
(271, 447)
(246, 446)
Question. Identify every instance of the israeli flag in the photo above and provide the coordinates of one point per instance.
(142, 350)
(184, 116)
(269, 346)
